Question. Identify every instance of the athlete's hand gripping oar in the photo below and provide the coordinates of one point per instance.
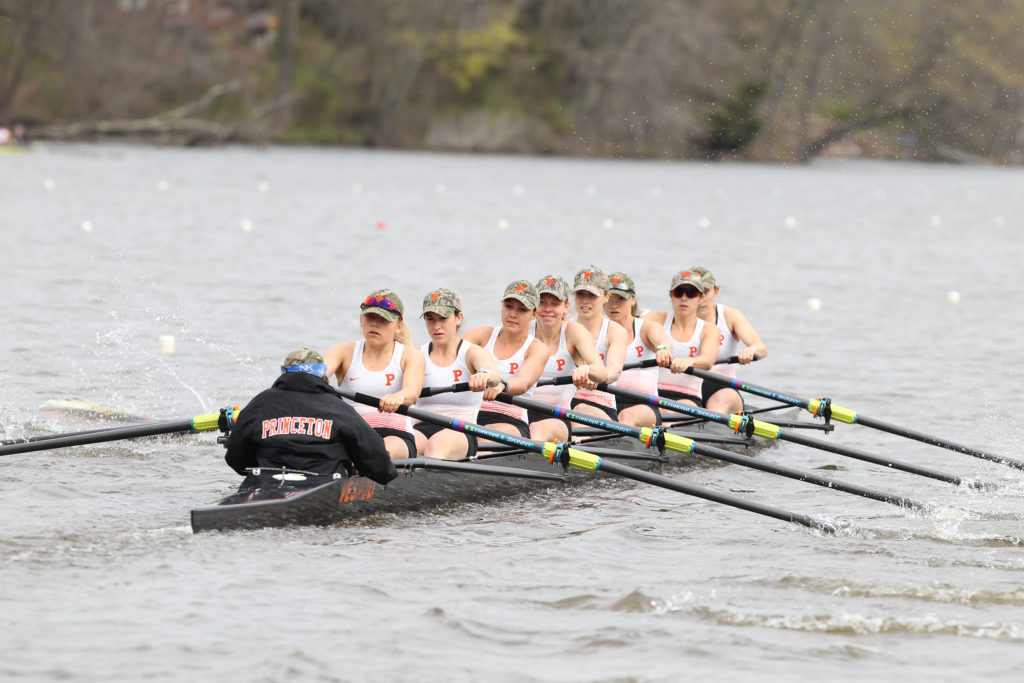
(654, 436)
(823, 407)
(768, 430)
(576, 458)
(199, 423)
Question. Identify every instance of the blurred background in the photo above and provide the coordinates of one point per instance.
(770, 80)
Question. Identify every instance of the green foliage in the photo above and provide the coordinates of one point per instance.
(733, 123)
(465, 57)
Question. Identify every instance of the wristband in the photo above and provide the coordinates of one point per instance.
(483, 370)
(661, 347)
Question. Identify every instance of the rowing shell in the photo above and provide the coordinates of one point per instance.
(270, 498)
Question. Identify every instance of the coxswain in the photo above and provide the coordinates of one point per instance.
(300, 423)
(693, 344)
(385, 364)
(451, 360)
(645, 340)
(590, 294)
(738, 338)
(570, 351)
(517, 353)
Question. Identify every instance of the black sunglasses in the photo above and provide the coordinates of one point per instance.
(688, 292)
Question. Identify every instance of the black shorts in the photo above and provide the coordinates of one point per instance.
(408, 438)
(622, 403)
(612, 413)
(670, 395)
(428, 430)
(486, 417)
(708, 389)
(535, 416)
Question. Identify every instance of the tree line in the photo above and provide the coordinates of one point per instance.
(775, 80)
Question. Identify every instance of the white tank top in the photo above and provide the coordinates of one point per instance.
(386, 381)
(509, 368)
(599, 397)
(687, 384)
(462, 405)
(559, 364)
(639, 379)
(729, 346)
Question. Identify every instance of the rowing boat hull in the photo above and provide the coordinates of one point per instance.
(418, 487)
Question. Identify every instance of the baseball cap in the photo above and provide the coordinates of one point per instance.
(304, 360)
(553, 284)
(442, 301)
(385, 303)
(523, 292)
(622, 284)
(591, 279)
(688, 277)
(705, 274)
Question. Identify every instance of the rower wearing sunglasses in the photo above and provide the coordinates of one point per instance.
(738, 338)
(383, 363)
(694, 344)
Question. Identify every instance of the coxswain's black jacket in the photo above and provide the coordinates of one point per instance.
(301, 423)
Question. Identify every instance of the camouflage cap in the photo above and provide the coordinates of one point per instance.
(442, 301)
(303, 355)
(622, 284)
(705, 274)
(591, 279)
(385, 303)
(523, 292)
(554, 285)
(305, 360)
(688, 277)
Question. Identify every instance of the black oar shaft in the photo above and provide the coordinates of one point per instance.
(936, 441)
(473, 468)
(857, 454)
(783, 435)
(714, 496)
(48, 437)
(92, 436)
(808, 477)
(853, 417)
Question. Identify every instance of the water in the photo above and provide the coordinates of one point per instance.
(242, 255)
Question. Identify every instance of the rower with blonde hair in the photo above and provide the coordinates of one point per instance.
(590, 294)
(517, 354)
(646, 340)
(570, 351)
(385, 364)
(734, 330)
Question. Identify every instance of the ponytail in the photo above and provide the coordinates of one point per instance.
(402, 335)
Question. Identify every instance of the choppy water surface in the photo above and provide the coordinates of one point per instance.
(242, 255)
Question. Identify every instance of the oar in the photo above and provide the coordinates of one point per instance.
(746, 424)
(654, 436)
(825, 408)
(473, 468)
(569, 456)
(199, 423)
(47, 437)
